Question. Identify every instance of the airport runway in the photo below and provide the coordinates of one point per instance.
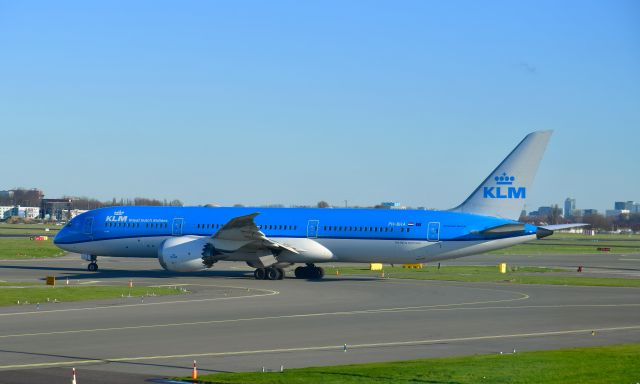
(232, 322)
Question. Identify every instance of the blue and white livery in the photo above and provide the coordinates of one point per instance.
(271, 239)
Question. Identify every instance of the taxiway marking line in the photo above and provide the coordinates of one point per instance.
(318, 348)
(308, 315)
(269, 293)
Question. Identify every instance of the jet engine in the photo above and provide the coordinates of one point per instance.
(183, 254)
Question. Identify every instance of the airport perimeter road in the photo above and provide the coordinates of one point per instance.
(234, 323)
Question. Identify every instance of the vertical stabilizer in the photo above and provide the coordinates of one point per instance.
(504, 193)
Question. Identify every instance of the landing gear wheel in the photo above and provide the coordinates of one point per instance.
(92, 267)
(273, 274)
(300, 272)
(318, 273)
(259, 274)
(281, 272)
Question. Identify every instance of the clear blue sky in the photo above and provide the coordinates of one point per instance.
(294, 102)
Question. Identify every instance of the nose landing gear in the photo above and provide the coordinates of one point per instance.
(93, 266)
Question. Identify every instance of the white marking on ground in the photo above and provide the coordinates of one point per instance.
(321, 347)
(105, 307)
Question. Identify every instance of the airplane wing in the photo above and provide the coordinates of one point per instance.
(242, 233)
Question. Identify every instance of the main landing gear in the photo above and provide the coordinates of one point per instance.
(309, 272)
(270, 273)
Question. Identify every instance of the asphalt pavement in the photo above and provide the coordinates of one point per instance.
(231, 322)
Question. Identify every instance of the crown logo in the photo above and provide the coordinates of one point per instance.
(504, 179)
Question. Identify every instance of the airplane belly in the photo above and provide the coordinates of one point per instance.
(129, 247)
(383, 251)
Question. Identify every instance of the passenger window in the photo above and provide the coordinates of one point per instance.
(408, 229)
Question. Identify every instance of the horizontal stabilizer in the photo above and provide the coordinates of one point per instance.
(547, 230)
(558, 227)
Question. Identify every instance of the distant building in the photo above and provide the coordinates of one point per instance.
(55, 209)
(624, 205)
(391, 205)
(589, 212)
(616, 212)
(569, 207)
(545, 211)
(75, 212)
(25, 212)
(5, 212)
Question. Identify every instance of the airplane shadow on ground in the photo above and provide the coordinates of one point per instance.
(105, 274)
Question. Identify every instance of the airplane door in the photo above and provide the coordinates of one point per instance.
(177, 227)
(312, 229)
(88, 226)
(433, 231)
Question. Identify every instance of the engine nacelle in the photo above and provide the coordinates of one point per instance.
(182, 254)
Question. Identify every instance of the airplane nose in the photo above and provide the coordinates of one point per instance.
(60, 237)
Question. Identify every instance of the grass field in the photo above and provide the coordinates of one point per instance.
(25, 248)
(521, 275)
(580, 244)
(29, 229)
(610, 364)
(27, 293)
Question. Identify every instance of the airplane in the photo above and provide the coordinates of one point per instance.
(188, 239)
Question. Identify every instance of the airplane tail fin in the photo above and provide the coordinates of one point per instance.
(504, 192)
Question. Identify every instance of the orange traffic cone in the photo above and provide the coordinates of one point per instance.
(73, 376)
(194, 374)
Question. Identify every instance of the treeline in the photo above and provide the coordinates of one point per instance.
(86, 203)
(22, 196)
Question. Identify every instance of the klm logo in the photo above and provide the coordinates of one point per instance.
(504, 190)
(117, 217)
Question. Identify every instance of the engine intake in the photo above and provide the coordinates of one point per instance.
(183, 254)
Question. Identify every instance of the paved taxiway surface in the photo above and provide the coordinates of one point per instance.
(233, 323)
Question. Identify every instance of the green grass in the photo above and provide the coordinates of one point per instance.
(610, 364)
(25, 248)
(521, 275)
(29, 229)
(62, 293)
(602, 236)
(579, 244)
